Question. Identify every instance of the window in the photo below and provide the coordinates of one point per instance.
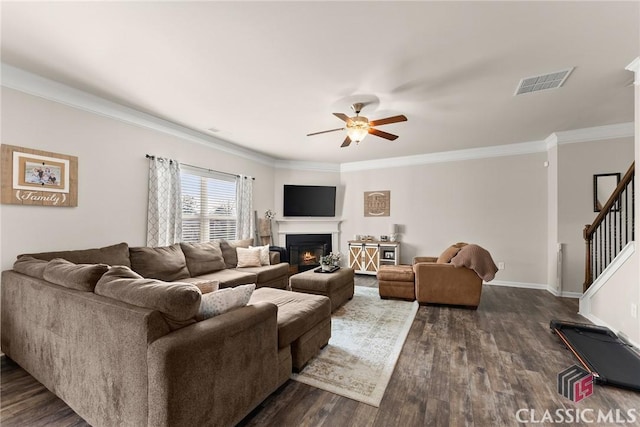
(208, 205)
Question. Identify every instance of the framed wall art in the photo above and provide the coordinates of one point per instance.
(377, 203)
(36, 177)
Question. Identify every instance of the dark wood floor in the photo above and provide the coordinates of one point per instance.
(458, 367)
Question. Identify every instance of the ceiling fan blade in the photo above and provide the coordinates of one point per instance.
(342, 116)
(382, 134)
(324, 131)
(346, 142)
(388, 120)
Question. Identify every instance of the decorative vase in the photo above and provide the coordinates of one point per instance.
(326, 267)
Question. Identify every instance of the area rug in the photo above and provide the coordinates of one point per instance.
(367, 335)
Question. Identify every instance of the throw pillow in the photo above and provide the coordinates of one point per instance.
(264, 254)
(165, 263)
(30, 266)
(177, 302)
(248, 257)
(218, 302)
(203, 258)
(82, 277)
(445, 257)
(229, 250)
(206, 286)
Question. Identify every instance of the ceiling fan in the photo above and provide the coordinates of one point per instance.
(358, 126)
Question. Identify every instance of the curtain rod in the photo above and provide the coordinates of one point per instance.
(150, 156)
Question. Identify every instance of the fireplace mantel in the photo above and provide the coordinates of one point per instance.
(309, 226)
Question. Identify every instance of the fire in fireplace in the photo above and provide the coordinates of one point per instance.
(305, 250)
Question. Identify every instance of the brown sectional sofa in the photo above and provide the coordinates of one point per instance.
(116, 362)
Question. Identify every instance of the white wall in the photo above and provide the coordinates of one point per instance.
(611, 303)
(499, 203)
(113, 175)
(577, 163)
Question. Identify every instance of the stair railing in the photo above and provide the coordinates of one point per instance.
(612, 229)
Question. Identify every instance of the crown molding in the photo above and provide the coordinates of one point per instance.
(598, 133)
(635, 67)
(307, 166)
(33, 84)
(448, 156)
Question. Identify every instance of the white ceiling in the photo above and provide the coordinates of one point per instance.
(267, 73)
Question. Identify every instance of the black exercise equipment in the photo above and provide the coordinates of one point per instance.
(609, 359)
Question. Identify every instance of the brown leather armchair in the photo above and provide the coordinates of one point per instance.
(442, 283)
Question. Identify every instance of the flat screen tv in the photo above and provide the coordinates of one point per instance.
(309, 200)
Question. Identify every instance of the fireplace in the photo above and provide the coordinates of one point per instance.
(305, 250)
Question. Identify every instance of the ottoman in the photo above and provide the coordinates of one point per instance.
(338, 286)
(396, 281)
(304, 322)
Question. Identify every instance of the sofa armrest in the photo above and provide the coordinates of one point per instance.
(418, 259)
(274, 257)
(214, 371)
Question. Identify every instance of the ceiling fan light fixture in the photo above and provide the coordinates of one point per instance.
(357, 128)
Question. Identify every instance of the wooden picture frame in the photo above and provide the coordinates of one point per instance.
(36, 177)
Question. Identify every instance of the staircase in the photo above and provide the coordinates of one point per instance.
(612, 230)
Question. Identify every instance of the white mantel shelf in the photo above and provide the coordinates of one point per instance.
(309, 226)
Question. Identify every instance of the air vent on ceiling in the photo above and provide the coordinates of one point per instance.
(543, 82)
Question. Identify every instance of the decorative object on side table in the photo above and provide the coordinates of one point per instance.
(393, 232)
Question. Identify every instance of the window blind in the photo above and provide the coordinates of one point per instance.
(208, 205)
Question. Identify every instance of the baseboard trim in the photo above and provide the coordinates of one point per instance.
(599, 322)
(538, 286)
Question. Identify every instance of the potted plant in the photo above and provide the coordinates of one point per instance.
(335, 258)
(326, 262)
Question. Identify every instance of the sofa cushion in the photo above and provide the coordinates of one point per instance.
(110, 255)
(223, 300)
(30, 266)
(267, 273)
(248, 257)
(177, 302)
(203, 258)
(82, 277)
(229, 250)
(264, 254)
(298, 313)
(165, 263)
(228, 277)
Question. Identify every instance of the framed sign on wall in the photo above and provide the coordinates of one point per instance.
(377, 203)
(36, 177)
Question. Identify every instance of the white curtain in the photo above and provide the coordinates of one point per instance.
(164, 216)
(244, 228)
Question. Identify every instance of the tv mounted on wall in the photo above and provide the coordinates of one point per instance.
(309, 200)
